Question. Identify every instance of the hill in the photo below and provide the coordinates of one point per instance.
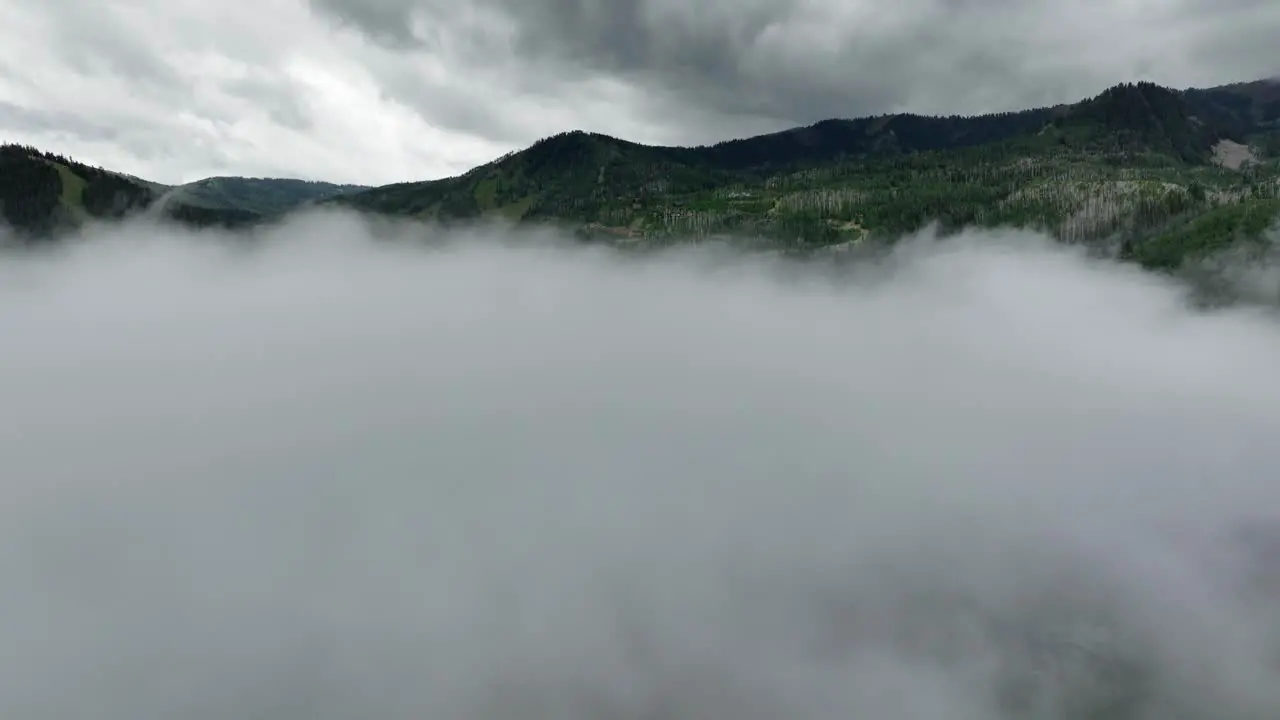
(263, 196)
(43, 193)
(1166, 174)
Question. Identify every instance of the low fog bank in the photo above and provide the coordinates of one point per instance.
(1244, 273)
(505, 477)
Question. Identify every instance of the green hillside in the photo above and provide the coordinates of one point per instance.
(41, 192)
(1136, 164)
(263, 196)
(44, 193)
(1165, 175)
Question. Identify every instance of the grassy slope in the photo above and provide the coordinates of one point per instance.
(73, 187)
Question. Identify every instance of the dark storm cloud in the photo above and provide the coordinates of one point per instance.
(802, 61)
(502, 478)
(445, 86)
(464, 108)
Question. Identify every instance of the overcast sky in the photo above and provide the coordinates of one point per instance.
(376, 91)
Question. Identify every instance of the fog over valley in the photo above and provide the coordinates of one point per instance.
(487, 473)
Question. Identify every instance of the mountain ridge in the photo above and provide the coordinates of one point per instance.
(1135, 161)
(837, 139)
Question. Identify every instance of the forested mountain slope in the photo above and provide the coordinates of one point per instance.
(263, 196)
(42, 193)
(1167, 174)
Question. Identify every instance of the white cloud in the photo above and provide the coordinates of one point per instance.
(177, 91)
(273, 92)
(333, 478)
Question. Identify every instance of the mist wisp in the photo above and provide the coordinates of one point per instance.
(504, 477)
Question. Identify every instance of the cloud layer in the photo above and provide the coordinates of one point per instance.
(394, 90)
(496, 476)
(803, 61)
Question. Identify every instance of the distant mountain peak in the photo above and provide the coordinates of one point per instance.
(1144, 114)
